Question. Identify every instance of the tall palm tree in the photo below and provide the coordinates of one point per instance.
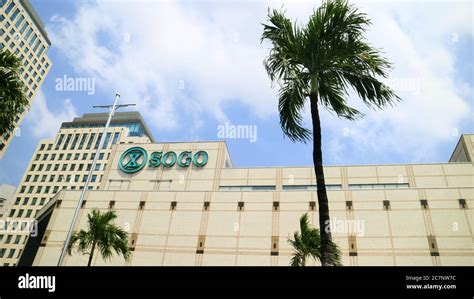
(13, 100)
(307, 244)
(103, 234)
(318, 63)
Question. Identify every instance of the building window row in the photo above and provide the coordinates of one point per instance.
(68, 156)
(55, 189)
(311, 187)
(314, 187)
(86, 140)
(246, 188)
(18, 19)
(63, 167)
(380, 186)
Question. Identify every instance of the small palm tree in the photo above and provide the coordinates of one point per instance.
(307, 244)
(13, 100)
(103, 235)
(318, 63)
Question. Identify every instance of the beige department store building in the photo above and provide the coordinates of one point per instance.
(219, 214)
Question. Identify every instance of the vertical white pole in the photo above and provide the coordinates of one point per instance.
(89, 176)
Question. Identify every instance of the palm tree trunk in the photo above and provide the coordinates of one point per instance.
(324, 227)
(91, 255)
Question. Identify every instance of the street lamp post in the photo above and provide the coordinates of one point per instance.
(112, 109)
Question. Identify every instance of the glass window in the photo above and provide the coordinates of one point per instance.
(107, 139)
(68, 138)
(18, 22)
(33, 39)
(74, 141)
(116, 137)
(83, 140)
(247, 188)
(91, 139)
(13, 16)
(60, 140)
(9, 8)
(41, 50)
(28, 33)
(96, 146)
(23, 28)
(379, 186)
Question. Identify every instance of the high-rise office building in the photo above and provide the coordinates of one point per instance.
(6, 195)
(63, 163)
(23, 34)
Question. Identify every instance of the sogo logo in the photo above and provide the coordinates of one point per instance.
(135, 158)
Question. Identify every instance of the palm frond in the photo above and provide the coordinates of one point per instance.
(291, 104)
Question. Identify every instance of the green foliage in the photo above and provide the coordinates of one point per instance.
(307, 244)
(13, 101)
(324, 59)
(103, 235)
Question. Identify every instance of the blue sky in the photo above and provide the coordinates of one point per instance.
(191, 67)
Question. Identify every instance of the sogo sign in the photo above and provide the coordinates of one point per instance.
(134, 159)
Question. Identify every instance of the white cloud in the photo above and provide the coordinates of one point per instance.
(148, 50)
(44, 122)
